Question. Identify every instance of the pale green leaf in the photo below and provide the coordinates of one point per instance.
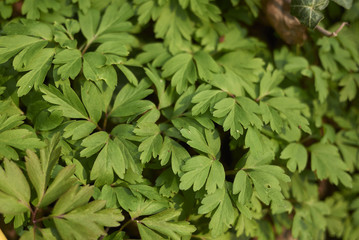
(344, 3)
(59, 186)
(11, 45)
(327, 163)
(222, 211)
(151, 146)
(14, 188)
(70, 62)
(296, 155)
(243, 186)
(68, 102)
(39, 66)
(182, 69)
(93, 100)
(161, 222)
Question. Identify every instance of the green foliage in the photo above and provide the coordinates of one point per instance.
(309, 12)
(177, 119)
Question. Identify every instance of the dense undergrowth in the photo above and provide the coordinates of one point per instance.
(178, 119)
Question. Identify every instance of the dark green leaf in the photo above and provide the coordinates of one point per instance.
(308, 11)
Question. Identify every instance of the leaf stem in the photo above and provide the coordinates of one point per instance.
(42, 219)
(33, 219)
(126, 223)
(97, 126)
(328, 33)
(231, 172)
(105, 122)
(88, 44)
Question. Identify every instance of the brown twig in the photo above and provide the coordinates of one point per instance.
(328, 33)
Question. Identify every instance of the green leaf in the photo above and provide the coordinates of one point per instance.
(155, 52)
(114, 18)
(344, 3)
(129, 75)
(242, 70)
(147, 234)
(174, 26)
(271, 116)
(145, 190)
(292, 108)
(321, 83)
(174, 151)
(68, 102)
(222, 212)
(206, 99)
(308, 11)
(94, 143)
(64, 35)
(310, 220)
(93, 61)
(168, 183)
(270, 81)
(94, 69)
(346, 142)
(349, 90)
(39, 66)
(216, 177)
(89, 23)
(237, 114)
(327, 163)
(59, 185)
(296, 155)
(6, 124)
(200, 170)
(161, 222)
(242, 185)
(183, 102)
(5, 10)
(74, 217)
(206, 66)
(211, 144)
(36, 174)
(231, 111)
(10, 122)
(75, 197)
(70, 61)
(253, 140)
(128, 101)
(183, 71)
(11, 45)
(112, 47)
(108, 160)
(24, 60)
(84, 5)
(93, 100)
(266, 179)
(18, 138)
(34, 9)
(152, 144)
(14, 189)
(165, 96)
(79, 129)
(11, 205)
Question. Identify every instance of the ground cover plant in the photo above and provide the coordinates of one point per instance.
(179, 119)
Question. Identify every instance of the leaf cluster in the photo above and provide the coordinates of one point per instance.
(174, 119)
